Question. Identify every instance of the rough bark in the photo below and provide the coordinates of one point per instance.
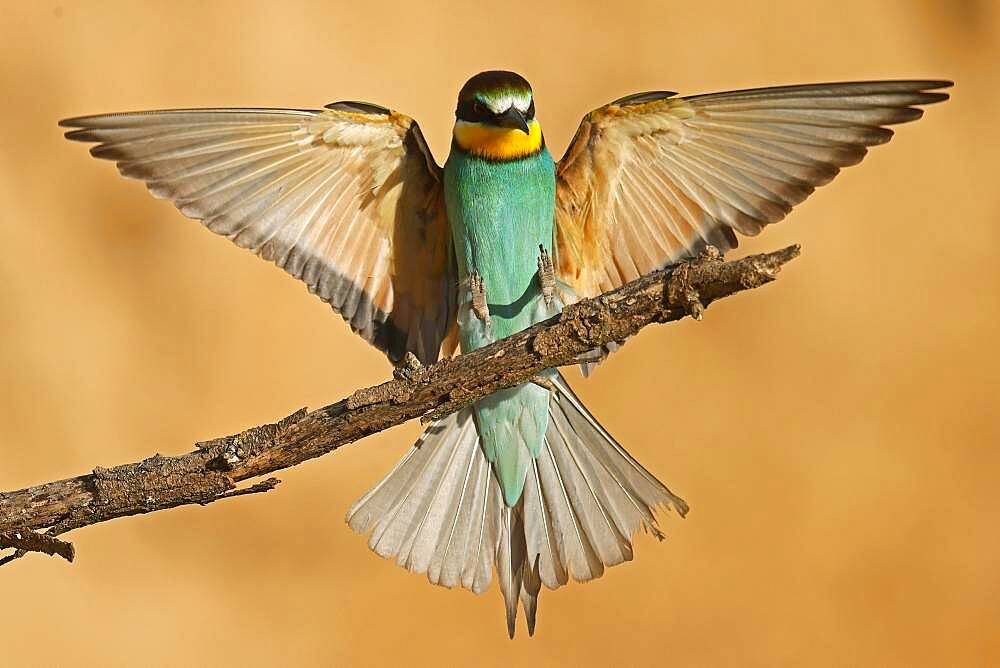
(211, 472)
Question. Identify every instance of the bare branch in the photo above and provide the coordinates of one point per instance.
(213, 469)
(32, 541)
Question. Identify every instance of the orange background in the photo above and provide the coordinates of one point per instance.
(835, 433)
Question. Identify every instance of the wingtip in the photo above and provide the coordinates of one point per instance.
(925, 84)
(77, 133)
(77, 122)
(73, 124)
(931, 90)
(79, 128)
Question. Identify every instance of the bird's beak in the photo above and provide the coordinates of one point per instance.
(512, 118)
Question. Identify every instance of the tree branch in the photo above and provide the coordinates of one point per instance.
(211, 472)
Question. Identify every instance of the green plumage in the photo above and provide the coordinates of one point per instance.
(500, 213)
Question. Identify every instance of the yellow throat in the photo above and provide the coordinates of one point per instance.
(495, 143)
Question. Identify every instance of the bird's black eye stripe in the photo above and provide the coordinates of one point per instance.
(473, 111)
(476, 111)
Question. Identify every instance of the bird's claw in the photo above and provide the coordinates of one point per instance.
(542, 381)
(546, 275)
(479, 305)
(407, 368)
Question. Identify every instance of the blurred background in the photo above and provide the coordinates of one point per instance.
(835, 433)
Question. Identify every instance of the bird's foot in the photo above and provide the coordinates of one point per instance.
(546, 275)
(407, 368)
(479, 305)
(542, 381)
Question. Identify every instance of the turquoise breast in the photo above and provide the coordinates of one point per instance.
(500, 213)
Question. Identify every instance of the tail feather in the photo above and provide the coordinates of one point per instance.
(531, 585)
(511, 558)
(462, 533)
(397, 532)
(561, 490)
(543, 527)
(423, 542)
(631, 475)
(441, 510)
(437, 512)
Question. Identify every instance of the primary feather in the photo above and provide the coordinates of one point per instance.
(651, 179)
(347, 199)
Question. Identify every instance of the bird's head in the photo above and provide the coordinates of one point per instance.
(495, 117)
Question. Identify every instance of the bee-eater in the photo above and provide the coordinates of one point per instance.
(420, 259)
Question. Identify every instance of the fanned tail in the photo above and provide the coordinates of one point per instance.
(441, 511)
(438, 511)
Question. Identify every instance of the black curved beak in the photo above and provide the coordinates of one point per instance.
(512, 118)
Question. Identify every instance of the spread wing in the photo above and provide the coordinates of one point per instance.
(652, 178)
(348, 199)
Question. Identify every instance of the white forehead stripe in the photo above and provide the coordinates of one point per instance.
(507, 99)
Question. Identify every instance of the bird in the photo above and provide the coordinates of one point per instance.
(424, 261)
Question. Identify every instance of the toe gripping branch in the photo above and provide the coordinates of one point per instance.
(479, 305)
(546, 275)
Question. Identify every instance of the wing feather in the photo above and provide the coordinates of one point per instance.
(652, 178)
(347, 199)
